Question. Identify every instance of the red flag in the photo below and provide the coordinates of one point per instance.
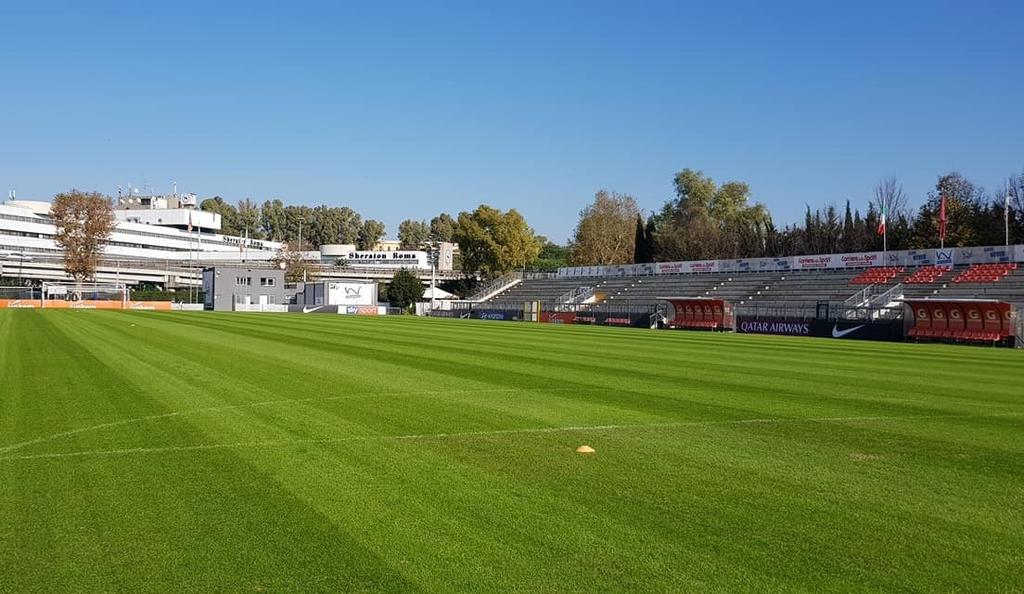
(942, 218)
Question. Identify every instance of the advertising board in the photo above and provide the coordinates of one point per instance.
(922, 257)
(396, 259)
(84, 304)
(350, 293)
(778, 326)
(891, 330)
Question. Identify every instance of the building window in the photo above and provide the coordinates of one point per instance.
(270, 299)
(266, 281)
(243, 281)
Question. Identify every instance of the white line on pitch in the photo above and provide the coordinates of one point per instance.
(461, 434)
(17, 446)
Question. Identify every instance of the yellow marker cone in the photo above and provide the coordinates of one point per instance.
(584, 449)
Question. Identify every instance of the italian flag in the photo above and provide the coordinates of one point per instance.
(881, 223)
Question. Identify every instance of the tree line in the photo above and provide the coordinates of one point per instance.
(705, 220)
(491, 241)
(276, 221)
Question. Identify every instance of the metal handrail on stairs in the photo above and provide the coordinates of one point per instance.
(495, 286)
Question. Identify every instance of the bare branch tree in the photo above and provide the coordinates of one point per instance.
(296, 267)
(84, 221)
(1015, 186)
(889, 198)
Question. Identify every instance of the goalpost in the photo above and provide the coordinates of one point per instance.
(105, 295)
(20, 297)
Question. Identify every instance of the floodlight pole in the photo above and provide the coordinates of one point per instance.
(433, 274)
(301, 259)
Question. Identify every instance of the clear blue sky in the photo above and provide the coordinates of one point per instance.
(407, 110)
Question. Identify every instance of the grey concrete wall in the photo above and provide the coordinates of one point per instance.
(227, 285)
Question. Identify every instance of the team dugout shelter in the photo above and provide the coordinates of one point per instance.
(699, 313)
(960, 320)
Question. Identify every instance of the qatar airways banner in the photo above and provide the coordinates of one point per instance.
(778, 326)
(927, 257)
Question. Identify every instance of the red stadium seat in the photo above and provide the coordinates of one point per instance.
(873, 276)
(922, 322)
(939, 321)
(984, 273)
(973, 325)
(926, 275)
(955, 321)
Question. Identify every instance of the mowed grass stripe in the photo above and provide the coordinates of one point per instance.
(638, 399)
(722, 355)
(711, 368)
(742, 374)
(920, 501)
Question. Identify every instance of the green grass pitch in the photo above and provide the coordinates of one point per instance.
(287, 453)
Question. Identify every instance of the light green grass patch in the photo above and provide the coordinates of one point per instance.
(257, 452)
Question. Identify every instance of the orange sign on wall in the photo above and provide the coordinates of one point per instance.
(19, 303)
(87, 304)
(149, 305)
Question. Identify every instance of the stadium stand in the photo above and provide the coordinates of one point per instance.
(926, 275)
(547, 290)
(1008, 287)
(985, 273)
(823, 291)
(873, 276)
(739, 288)
(777, 289)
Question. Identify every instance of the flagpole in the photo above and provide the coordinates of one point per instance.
(942, 222)
(1006, 213)
(884, 227)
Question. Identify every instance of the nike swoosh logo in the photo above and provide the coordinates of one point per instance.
(837, 333)
(311, 309)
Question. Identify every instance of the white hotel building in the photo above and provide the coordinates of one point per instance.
(151, 242)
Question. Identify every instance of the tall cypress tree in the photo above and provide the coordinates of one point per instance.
(849, 241)
(650, 240)
(640, 249)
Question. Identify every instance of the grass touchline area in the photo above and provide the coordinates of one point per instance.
(167, 451)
